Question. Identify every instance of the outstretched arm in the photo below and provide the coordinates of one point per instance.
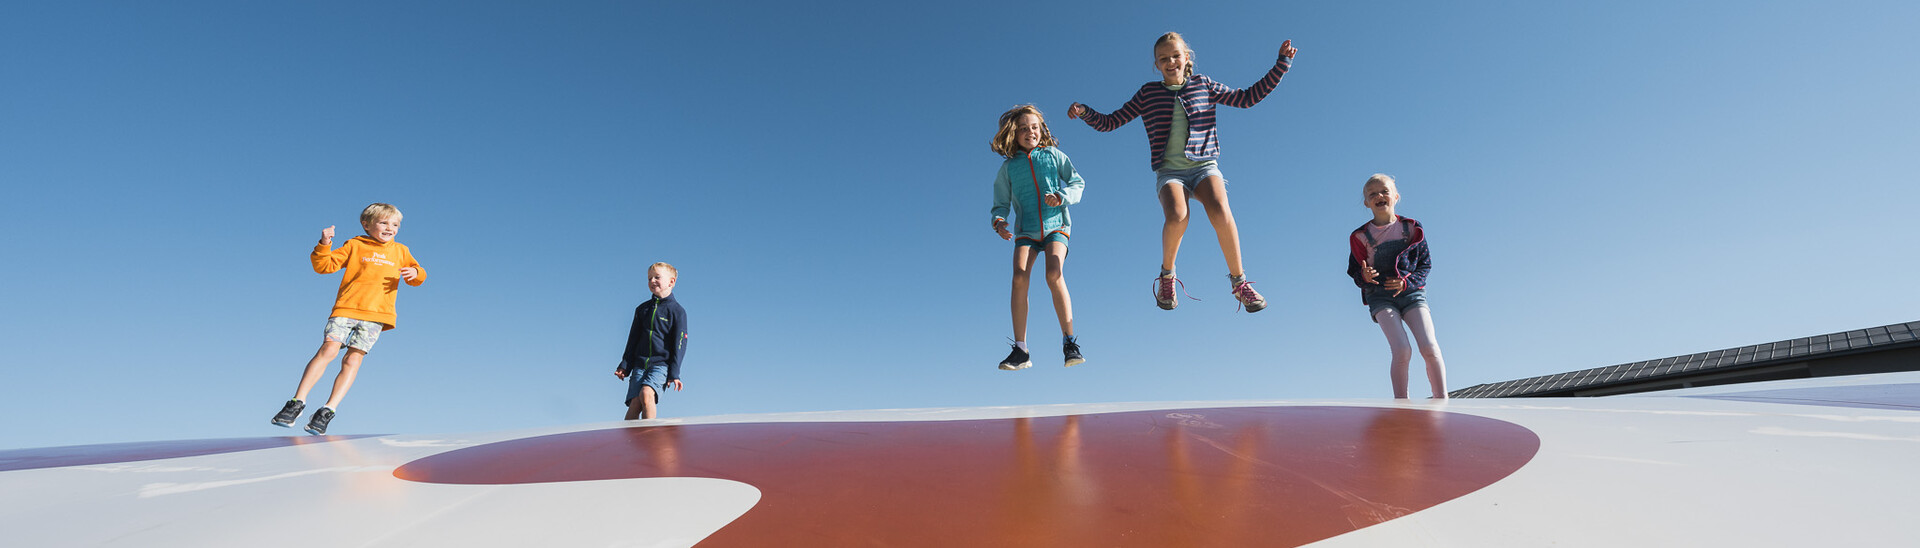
(1110, 122)
(1247, 98)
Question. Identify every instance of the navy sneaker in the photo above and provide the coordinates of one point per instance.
(1018, 359)
(288, 414)
(318, 425)
(1072, 350)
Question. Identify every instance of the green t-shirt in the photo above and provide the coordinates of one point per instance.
(1176, 157)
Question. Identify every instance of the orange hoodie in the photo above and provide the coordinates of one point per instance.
(372, 280)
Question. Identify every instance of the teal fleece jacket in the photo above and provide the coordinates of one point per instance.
(1021, 186)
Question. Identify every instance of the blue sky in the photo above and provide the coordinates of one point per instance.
(1601, 183)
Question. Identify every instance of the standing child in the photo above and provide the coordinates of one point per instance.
(375, 265)
(656, 344)
(1392, 241)
(1038, 182)
(1186, 149)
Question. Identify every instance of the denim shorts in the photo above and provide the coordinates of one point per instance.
(655, 377)
(1188, 177)
(1383, 300)
(356, 334)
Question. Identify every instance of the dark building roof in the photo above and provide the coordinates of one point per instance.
(1878, 349)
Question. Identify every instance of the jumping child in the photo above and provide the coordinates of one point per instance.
(656, 344)
(364, 307)
(1038, 182)
(1399, 243)
(1185, 149)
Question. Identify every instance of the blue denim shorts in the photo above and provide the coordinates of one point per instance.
(1188, 177)
(1383, 300)
(356, 334)
(655, 377)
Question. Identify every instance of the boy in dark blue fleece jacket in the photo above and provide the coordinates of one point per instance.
(656, 344)
(1398, 243)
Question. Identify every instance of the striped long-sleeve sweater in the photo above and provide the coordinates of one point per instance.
(1154, 103)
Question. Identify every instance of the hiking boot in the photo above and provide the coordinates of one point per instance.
(1163, 291)
(1018, 359)
(1249, 298)
(288, 414)
(318, 425)
(1072, 350)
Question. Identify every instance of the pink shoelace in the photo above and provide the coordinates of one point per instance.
(1244, 293)
(1163, 288)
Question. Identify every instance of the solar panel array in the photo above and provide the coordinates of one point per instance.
(1845, 342)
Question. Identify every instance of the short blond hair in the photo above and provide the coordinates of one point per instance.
(1381, 178)
(377, 211)
(1002, 142)
(670, 269)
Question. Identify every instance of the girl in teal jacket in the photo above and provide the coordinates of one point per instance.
(1037, 182)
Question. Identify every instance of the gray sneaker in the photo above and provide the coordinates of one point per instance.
(318, 425)
(289, 413)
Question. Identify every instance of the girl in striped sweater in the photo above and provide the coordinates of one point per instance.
(1186, 150)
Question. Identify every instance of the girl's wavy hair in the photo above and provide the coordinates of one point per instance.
(1175, 36)
(1002, 142)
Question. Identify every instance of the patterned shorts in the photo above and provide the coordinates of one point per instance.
(357, 334)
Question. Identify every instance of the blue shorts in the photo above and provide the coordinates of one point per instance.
(1051, 237)
(356, 334)
(1383, 300)
(1188, 177)
(655, 377)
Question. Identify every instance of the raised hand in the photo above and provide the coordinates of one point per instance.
(1286, 50)
(1076, 111)
(326, 235)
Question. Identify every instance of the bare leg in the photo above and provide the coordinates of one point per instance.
(1420, 321)
(633, 405)
(349, 368)
(1390, 325)
(316, 367)
(1173, 205)
(1212, 193)
(649, 403)
(1023, 257)
(1057, 282)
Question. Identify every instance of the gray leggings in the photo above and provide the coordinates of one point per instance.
(1418, 320)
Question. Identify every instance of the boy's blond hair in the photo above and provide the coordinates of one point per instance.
(670, 269)
(1175, 37)
(377, 211)
(1002, 142)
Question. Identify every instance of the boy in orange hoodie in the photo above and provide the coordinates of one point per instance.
(375, 266)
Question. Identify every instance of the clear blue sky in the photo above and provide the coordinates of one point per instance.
(1602, 183)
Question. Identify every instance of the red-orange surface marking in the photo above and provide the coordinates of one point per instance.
(1270, 476)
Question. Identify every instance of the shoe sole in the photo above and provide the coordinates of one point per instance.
(316, 433)
(1168, 306)
(1252, 309)
(282, 424)
(1016, 367)
(1074, 362)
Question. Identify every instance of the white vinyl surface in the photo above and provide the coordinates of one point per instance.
(1662, 469)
